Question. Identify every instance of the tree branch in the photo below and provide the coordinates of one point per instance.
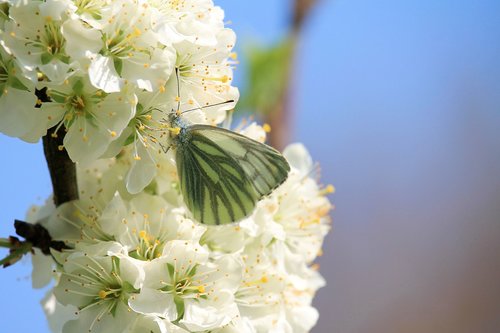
(62, 170)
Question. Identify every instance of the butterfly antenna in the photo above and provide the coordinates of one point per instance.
(178, 89)
(208, 106)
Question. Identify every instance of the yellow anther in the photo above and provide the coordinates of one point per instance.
(60, 147)
(175, 131)
(13, 34)
(177, 99)
(143, 234)
(48, 18)
(233, 55)
(266, 127)
(224, 79)
(38, 102)
(137, 158)
(148, 117)
(201, 289)
(102, 294)
(146, 65)
(113, 134)
(191, 102)
(264, 279)
(328, 190)
(162, 89)
(85, 138)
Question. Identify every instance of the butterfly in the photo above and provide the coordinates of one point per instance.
(222, 174)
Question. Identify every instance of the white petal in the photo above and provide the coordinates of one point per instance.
(298, 157)
(42, 269)
(103, 75)
(142, 171)
(154, 302)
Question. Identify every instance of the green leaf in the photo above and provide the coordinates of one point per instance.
(267, 71)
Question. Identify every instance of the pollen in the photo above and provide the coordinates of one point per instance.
(266, 127)
(328, 190)
(175, 131)
(102, 294)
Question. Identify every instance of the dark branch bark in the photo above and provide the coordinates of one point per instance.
(38, 236)
(62, 170)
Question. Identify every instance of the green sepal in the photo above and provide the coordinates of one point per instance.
(17, 84)
(118, 65)
(46, 58)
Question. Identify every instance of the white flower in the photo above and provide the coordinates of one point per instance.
(56, 313)
(205, 75)
(93, 119)
(33, 36)
(184, 285)
(18, 115)
(147, 225)
(120, 47)
(196, 21)
(99, 283)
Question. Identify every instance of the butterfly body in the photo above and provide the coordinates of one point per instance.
(222, 173)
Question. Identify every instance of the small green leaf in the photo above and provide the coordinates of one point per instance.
(267, 76)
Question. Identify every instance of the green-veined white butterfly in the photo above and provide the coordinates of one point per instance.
(222, 173)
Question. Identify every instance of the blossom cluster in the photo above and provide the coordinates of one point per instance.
(108, 71)
(139, 263)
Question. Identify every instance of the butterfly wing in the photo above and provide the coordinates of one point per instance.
(264, 166)
(214, 185)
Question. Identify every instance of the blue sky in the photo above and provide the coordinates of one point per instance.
(400, 103)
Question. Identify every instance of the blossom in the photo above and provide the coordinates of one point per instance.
(99, 283)
(93, 119)
(184, 285)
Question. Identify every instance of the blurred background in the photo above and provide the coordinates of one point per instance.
(399, 101)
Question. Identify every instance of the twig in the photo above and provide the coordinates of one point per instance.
(280, 115)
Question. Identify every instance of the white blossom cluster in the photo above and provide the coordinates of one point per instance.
(112, 70)
(138, 263)
(108, 68)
